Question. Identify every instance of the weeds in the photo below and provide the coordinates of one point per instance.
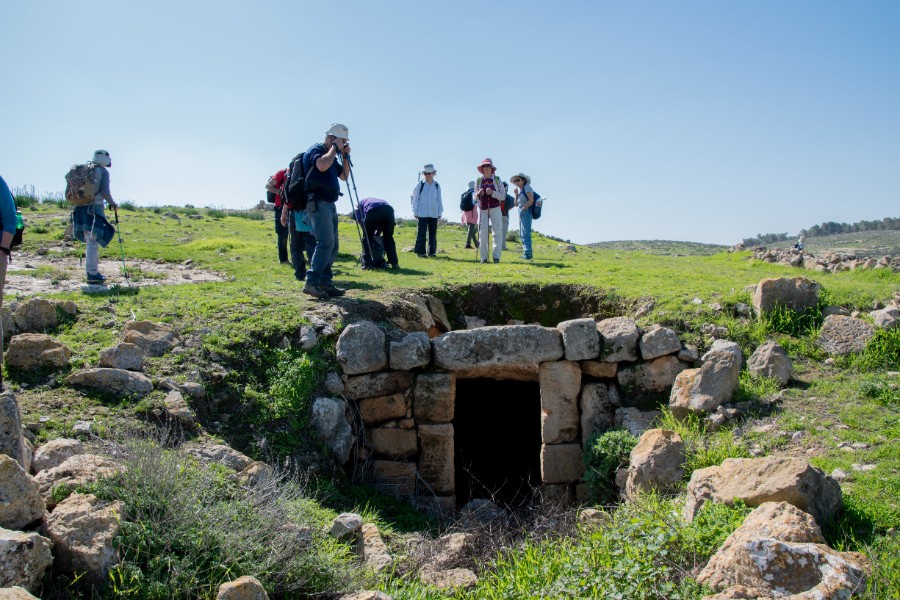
(605, 454)
(794, 323)
(702, 449)
(882, 352)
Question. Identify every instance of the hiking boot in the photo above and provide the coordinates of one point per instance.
(331, 290)
(469, 246)
(484, 262)
(96, 279)
(422, 255)
(496, 260)
(315, 291)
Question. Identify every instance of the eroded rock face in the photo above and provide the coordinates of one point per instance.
(845, 335)
(32, 351)
(619, 339)
(123, 356)
(375, 411)
(508, 351)
(24, 557)
(436, 466)
(435, 397)
(560, 382)
(411, 352)
(83, 528)
(771, 360)
(655, 376)
(153, 338)
(218, 453)
(20, 497)
(703, 390)
(659, 341)
(115, 382)
(561, 463)
(768, 479)
(330, 421)
(635, 421)
(798, 293)
(581, 340)
(74, 471)
(36, 316)
(657, 463)
(360, 349)
(779, 551)
(377, 384)
(242, 588)
(395, 477)
(597, 411)
(56, 452)
(11, 441)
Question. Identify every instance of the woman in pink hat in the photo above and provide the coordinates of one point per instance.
(489, 193)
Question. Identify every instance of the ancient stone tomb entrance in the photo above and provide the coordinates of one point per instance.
(497, 440)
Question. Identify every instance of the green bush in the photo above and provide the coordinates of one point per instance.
(882, 352)
(605, 454)
(250, 215)
(25, 197)
(215, 213)
(128, 205)
(792, 322)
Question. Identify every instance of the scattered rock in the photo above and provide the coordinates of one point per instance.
(480, 512)
(82, 427)
(116, 382)
(194, 390)
(798, 293)
(33, 351)
(154, 338)
(123, 356)
(253, 475)
(845, 335)
(332, 425)
(592, 517)
(83, 528)
(56, 452)
(16, 593)
(366, 595)
(345, 525)
(11, 441)
(334, 385)
(449, 579)
(20, 498)
(24, 557)
(705, 389)
(218, 453)
(35, 316)
(375, 551)
(74, 471)
(657, 463)
(840, 475)
(771, 360)
(178, 410)
(886, 318)
(308, 338)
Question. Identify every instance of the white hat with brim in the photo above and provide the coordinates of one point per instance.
(522, 176)
(429, 168)
(338, 130)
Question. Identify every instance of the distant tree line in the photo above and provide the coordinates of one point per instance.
(827, 228)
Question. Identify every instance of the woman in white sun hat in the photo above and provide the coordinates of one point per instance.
(524, 200)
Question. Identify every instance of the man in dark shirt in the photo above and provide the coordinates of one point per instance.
(377, 219)
(323, 189)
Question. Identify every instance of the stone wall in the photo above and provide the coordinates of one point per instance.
(591, 374)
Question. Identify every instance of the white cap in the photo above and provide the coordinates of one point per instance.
(101, 157)
(338, 130)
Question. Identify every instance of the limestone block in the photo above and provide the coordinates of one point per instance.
(377, 384)
(35, 316)
(32, 351)
(394, 443)
(659, 341)
(123, 356)
(383, 408)
(11, 427)
(20, 498)
(581, 340)
(845, 335)
(494, 351)
(597, 411)
(561, 463)
(619, 339)
(560, 383)
(394, 477)
(56, 452)
(436, 466)
(655, 376)
(375, 551)
(76, 470)
(771, 360)
(153, 338)
(657, 463)
(599, 369)
(332, 426)
(24, 557)
(83, 528)
(411, 352)
(360, 349)
(798, 293)
(242, 588)
(435, 396)
(703, 390)
(115, 382)
(177, 408)
(218, 453)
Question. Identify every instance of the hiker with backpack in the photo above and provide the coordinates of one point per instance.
(8, 223)
(87, 188)
(427, 208)
(508, 203)
(490, 193)
(377, 219)
(302, 239)
(525, 198)
(274, 187)
(469, 215)
(322, 175)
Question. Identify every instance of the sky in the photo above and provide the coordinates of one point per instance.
(700, 120)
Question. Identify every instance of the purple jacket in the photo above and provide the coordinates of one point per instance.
(365, 205)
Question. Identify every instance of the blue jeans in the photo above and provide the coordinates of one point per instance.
(525, 231)
(324, 221)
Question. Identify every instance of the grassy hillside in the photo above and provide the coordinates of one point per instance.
(260, 390)
(661, 247)
(861, 243)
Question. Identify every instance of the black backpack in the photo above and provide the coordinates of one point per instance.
(536, 206)
(467, 201)
(294, 192)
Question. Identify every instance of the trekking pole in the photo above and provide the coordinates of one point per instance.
(367, 243)
(121, 244)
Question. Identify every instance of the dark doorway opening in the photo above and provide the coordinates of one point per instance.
(497, 439)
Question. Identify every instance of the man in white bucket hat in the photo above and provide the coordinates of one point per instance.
(324, 186)
(427, 208)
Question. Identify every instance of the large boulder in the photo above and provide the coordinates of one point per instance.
(12, 443)
(560, 382)
(657, 463)
(123, 356)
(580, 337)
(242, 588)
(512, 352)
(779, 552)
(360, 349)
(798, 293)
(35, 316)
(20, 495)
(74, 471)
(703, 390)
(83, 528)
(771, 360)
(153, 338)
(33, 351)
(845, 335)
(619, 339)
(114, 382)
(56, 452)
(597, 411)
(24, 557)
(332, 425)
(659, 341)
(768, 479)
(411, 352)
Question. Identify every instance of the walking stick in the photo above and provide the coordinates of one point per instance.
(121, 244)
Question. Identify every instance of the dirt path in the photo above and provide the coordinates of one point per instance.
(31, 274)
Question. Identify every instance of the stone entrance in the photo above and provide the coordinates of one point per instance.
(497, 440)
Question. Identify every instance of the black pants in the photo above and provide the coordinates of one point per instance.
(429, 225)
(282, 233)
(380, 221)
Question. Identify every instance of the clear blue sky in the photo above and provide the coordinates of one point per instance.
(706, 121)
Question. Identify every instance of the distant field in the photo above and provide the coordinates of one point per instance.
(861, 243)
(661, 247)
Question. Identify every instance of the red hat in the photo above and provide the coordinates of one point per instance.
(486, 163)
